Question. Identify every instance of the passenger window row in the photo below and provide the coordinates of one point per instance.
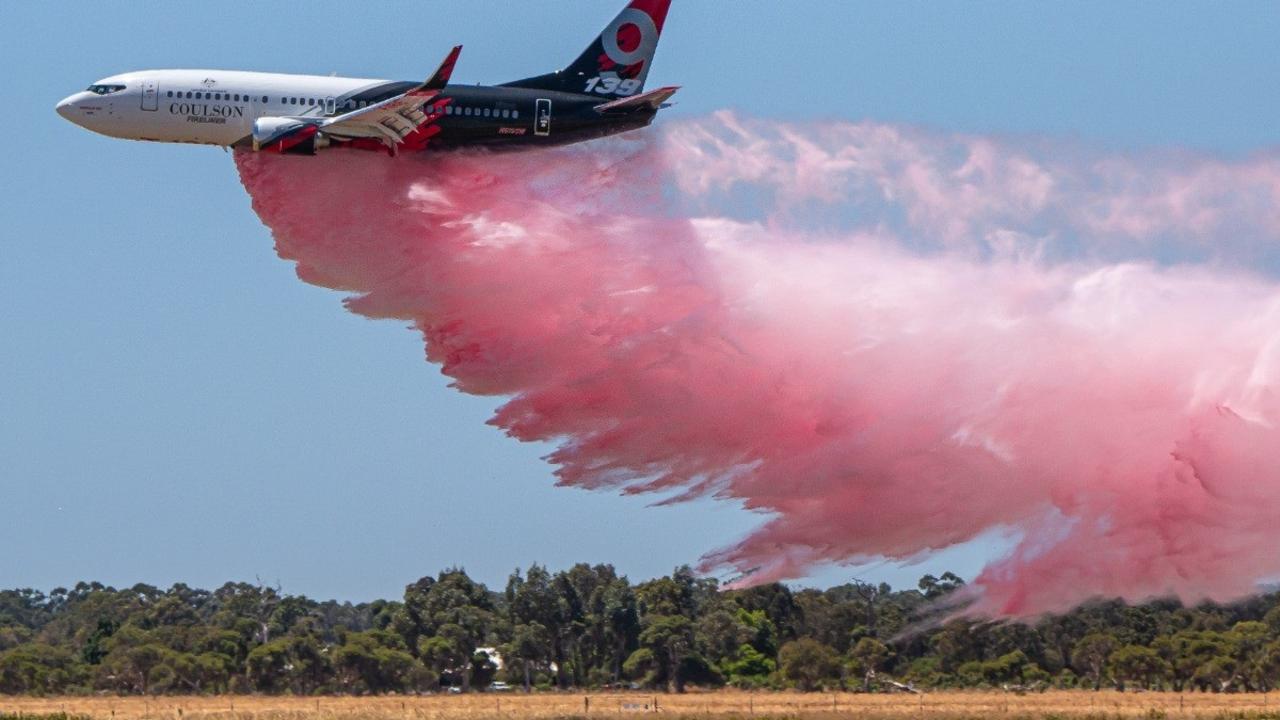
(480, 112)
(439, 108)
(232, 97)
(238, 97)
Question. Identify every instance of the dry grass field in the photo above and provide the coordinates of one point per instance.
(511, 706)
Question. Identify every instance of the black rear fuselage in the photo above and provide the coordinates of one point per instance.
(497, 116)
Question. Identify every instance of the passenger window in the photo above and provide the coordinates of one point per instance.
(265, 99)
(487, 112)
(170, 93)
(188, 94)
(506, 113)
(515, 114)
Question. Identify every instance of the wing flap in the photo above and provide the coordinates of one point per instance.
(395, 119)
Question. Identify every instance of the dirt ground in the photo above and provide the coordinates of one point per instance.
(510, 706)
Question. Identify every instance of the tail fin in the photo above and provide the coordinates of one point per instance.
(616, 64)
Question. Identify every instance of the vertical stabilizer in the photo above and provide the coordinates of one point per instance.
(617, 62)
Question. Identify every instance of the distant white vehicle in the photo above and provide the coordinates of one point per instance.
(499, 687)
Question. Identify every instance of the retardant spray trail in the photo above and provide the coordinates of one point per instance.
(955, 349)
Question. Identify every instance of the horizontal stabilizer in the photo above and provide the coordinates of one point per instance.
(651, 100)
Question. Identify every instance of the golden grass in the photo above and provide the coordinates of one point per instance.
(729, 704)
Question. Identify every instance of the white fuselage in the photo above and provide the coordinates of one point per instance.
(210, 107)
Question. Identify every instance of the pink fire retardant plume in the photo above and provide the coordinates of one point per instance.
(888, 341)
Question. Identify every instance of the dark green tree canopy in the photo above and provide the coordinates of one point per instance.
(589, 627)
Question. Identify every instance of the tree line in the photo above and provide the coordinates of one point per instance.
(587, 627)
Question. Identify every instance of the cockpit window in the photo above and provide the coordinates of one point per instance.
(104, 89)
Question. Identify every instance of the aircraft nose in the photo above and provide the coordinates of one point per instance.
(65, 108)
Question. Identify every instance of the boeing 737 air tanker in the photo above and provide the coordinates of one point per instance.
(601, 93)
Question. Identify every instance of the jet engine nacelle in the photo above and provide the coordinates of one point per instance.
(287, 135)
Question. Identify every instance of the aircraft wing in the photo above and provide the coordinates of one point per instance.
(395, 120)
(651, 100)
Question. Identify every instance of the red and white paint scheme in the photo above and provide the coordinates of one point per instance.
(600, 93)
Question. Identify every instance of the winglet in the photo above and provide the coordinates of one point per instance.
(441, 78)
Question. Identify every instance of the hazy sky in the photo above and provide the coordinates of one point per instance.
(176, 406)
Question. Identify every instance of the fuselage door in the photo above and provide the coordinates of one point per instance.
(150, 95)
(330, 106)
(542, 117)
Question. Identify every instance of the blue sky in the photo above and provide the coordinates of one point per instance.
(176, 406)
